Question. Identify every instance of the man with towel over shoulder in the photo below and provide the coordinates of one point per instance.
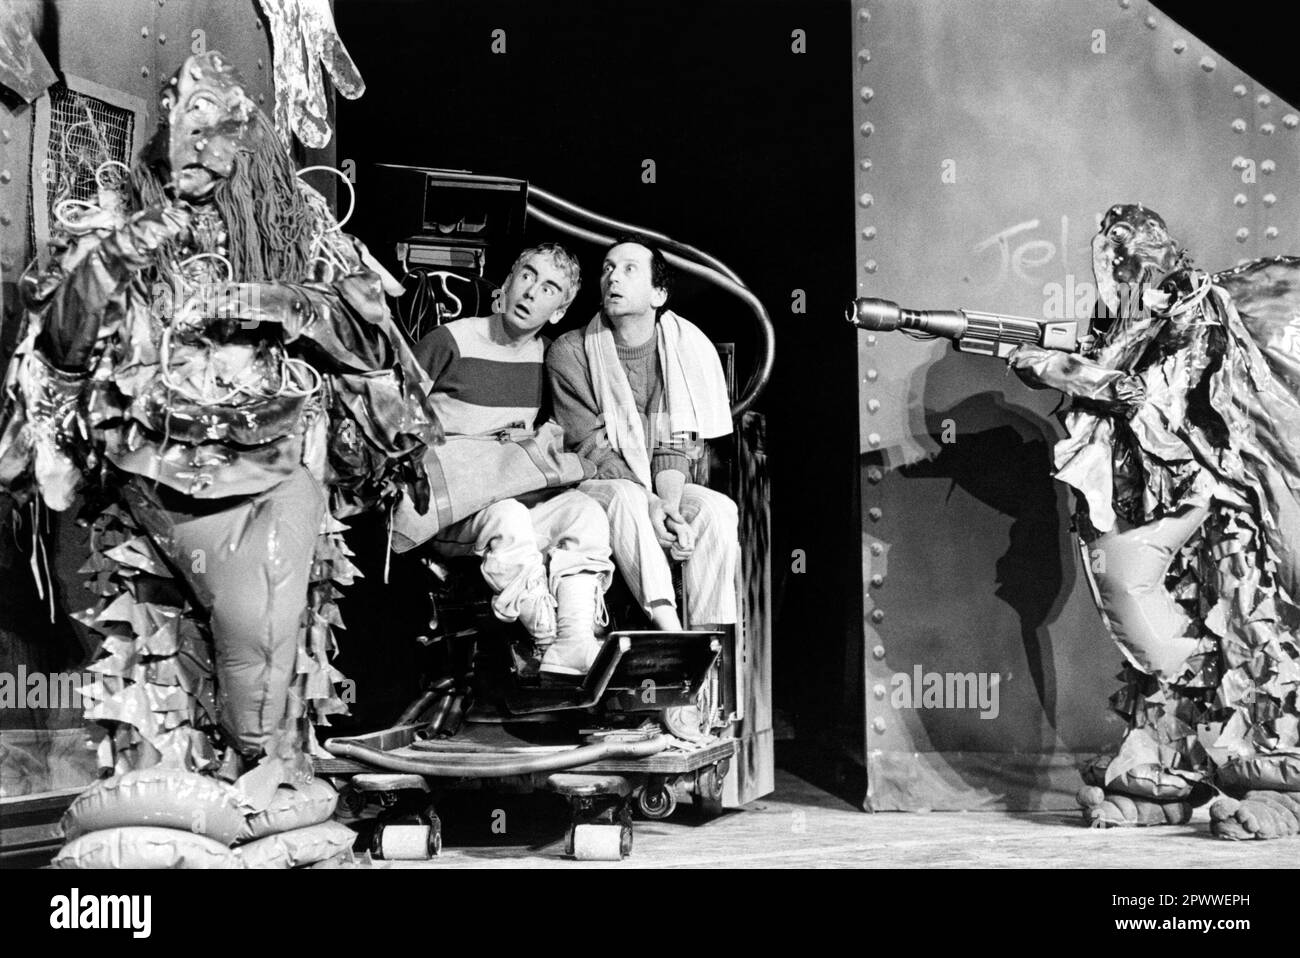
(638, 390)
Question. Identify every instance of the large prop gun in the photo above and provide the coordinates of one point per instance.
(990, 334)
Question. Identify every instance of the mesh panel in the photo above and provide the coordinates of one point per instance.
(84, 132)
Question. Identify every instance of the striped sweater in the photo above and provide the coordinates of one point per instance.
(481, 387)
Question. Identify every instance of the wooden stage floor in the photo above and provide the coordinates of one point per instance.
(802, 826)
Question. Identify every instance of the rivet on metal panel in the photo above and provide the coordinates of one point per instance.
(162, 38)
(4, 219)
(877, 580)
(1208, 64)
(4, 136)
(873, 405)
(864, 14)
(1270, 233)
(866, 129)
(1180, 46)
(1125, 4)
(874, 514)
(1291, 121)
(878, 616)
(878, 691)
(261, 63)
(872, 375)
(1264, 100)
(6, 262)
(874, 438)
(878, 725)
(867, 93)
(1268, 166)
(1243, 234)
(1239, 90)
(1238, 126)
(1240, 163)
(878, 651)
(144, 71)
(868, 232)
(1239, 199)
(874, 474)
(1270, 199)
(1267, 129)
(869, 266)
(1150, 22)
(261, 98)
(5, 176)
(865, 164)
(866, 199)
(871, 339)
(864, 55)
(144, 32)
(877, 549)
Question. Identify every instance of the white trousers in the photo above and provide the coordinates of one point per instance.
(530, 546)
(709, 574)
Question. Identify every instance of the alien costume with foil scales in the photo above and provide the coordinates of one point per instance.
(210, 367)
(1183, 448)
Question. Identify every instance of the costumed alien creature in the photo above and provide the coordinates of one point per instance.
(1184, 451)
(209, 366)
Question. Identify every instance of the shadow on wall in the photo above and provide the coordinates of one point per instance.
(999, 454)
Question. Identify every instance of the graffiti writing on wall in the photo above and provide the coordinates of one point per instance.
(1019, 254)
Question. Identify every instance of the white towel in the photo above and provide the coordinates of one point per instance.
(695, 389)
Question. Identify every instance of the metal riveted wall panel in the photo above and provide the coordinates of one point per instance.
(15, 249)
(990, 137)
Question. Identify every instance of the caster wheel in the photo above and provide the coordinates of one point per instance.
(656, 801)
(406, 842)
(353, 800)
(708, 790)
(435, 836)
(599, 843)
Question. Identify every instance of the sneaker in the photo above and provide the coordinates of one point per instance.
(580, 607)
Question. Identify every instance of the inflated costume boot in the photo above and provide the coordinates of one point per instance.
(1261, 796)
(537, 612)
(580, 601)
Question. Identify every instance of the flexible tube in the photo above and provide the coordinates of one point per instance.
(446, 767)
(767, 336)
(610, 223)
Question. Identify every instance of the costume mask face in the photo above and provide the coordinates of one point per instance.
(1131, 250)
(209, 120)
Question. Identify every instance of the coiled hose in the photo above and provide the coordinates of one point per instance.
(488, 766)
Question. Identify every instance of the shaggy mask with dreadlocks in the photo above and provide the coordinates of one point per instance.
(216, 152)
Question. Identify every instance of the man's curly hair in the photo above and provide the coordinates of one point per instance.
(564, 261)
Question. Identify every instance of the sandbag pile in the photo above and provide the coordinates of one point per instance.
(172, 818)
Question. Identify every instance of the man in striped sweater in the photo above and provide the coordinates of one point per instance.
(547, 556)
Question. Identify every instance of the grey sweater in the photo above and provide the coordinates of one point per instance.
(576, 408)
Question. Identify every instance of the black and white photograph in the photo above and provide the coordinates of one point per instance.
(588, 435)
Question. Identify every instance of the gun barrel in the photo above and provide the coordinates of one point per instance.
(883, 315)
(972, 331)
